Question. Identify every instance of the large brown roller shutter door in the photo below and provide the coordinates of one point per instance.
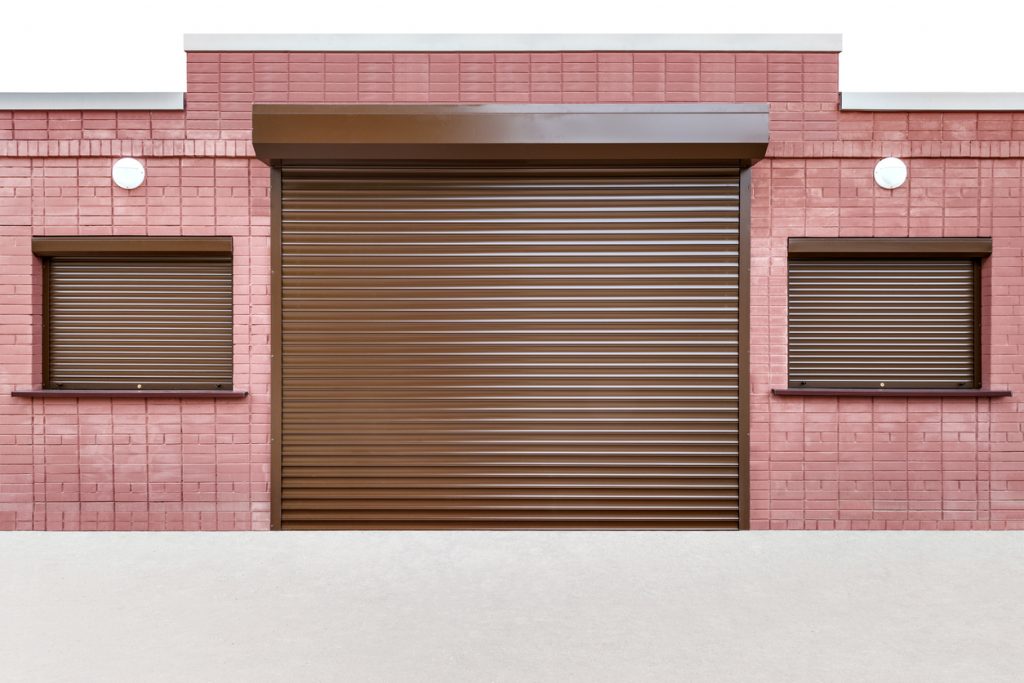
(518, 346)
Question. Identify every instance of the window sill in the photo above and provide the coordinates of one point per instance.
(897, 393)
(129, 393)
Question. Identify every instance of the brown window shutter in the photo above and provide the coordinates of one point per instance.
(883, 323)
(139, 322)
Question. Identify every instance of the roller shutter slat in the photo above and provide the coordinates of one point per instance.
(510, 347)
(117, 322)
(865, 323)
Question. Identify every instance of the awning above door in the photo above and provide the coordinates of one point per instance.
(499, 131)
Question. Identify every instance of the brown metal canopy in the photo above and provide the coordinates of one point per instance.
(510, 132)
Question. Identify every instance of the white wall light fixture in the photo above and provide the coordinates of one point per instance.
(128, 173)
(890, 173)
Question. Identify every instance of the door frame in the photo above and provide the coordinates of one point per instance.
(743, 377)
(276, 329)
(276, 326)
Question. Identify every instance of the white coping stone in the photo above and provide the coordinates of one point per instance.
(512, 42)
(932, 101)
(172, 101)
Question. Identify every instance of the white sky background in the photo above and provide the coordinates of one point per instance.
(897, 45)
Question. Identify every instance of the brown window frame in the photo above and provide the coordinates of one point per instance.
(975, 250)
(48, 248)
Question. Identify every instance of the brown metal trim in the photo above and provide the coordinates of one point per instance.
(889, 247)
(492, 131)
(897, 393)
(276, 325)
(129, 393)
(744, 351)
(108, 246)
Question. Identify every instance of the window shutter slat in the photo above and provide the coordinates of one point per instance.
(118, 322)
(882, 323)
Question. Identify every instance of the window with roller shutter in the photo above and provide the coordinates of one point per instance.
(145, 313)
(885, 313)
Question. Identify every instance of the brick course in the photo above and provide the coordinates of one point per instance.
(816, 463)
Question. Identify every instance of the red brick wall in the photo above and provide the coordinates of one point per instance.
(889, 463)
(815, 463)
(133, 463)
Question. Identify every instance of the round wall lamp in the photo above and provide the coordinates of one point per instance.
(890, 173)
(128, 173)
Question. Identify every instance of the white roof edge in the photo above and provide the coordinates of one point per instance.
(932, 101)
(513, 42)
(169, 101)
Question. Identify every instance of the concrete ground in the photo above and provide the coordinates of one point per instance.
(512, 606)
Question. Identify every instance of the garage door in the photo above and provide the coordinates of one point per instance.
(528, 346)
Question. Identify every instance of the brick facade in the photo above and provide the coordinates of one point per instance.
(816, 463)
